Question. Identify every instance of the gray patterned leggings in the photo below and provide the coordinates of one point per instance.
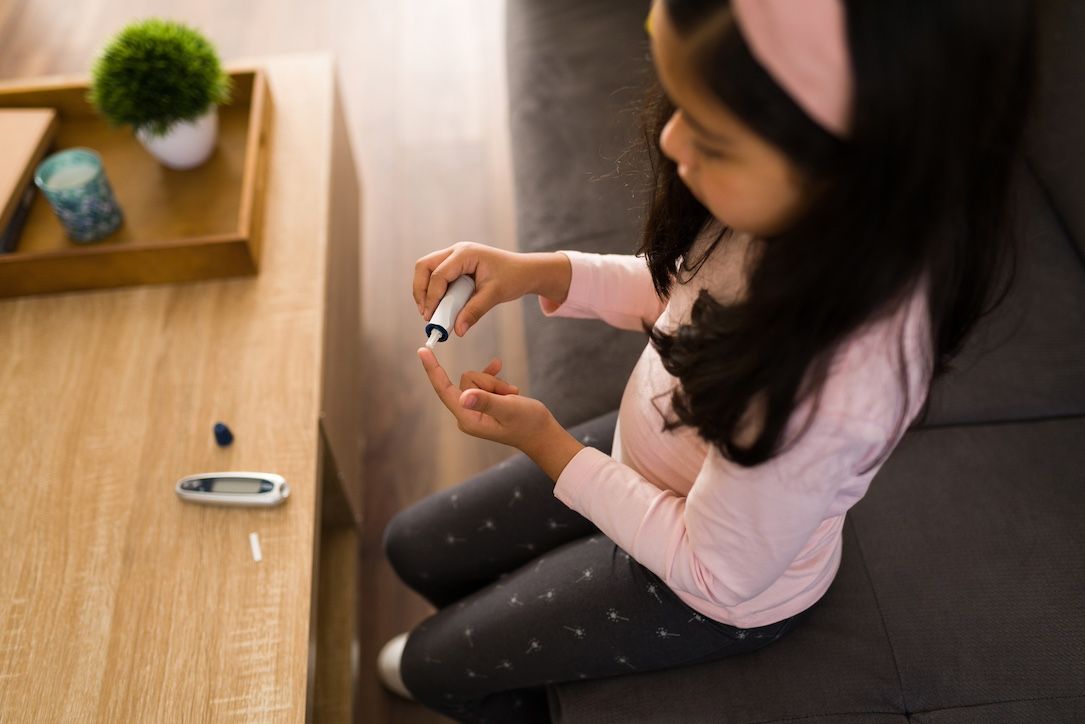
(531, 593)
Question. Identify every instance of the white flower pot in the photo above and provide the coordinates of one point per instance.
(186, 144)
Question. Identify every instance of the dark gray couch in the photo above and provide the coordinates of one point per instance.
(961, 594)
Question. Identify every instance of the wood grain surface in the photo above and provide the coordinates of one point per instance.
(119, 602)
(423, 84)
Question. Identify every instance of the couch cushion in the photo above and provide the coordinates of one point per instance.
(577, 72)
(974, 541)
(1026, 360)
(958, 599)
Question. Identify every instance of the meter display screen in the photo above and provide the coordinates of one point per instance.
(238, 486)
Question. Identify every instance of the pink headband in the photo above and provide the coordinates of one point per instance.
(803, 44)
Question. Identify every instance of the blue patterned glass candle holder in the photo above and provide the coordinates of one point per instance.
(74, 181)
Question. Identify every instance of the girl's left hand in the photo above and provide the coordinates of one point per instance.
(487, 407)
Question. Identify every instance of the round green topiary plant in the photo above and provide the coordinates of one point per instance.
(155, 73)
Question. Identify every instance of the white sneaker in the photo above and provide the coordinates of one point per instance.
(388, 661)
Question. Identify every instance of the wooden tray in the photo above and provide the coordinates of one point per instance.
(179, 226)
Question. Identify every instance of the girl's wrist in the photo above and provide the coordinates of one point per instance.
(552, 449)
(549, 275)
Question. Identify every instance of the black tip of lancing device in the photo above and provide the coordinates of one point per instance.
(223, 436)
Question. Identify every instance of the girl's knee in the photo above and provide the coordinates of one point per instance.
(434, 670)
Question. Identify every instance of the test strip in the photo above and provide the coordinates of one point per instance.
(254, 541)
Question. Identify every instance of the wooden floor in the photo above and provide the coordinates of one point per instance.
(424, 88)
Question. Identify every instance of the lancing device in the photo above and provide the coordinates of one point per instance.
(444, 317)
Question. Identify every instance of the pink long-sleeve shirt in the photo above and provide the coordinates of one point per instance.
(745, 546)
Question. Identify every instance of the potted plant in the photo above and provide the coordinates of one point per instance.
(164, 79)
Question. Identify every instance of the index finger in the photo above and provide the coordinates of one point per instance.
(446, 391)
(423, 268)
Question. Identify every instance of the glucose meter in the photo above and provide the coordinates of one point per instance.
(243, 489)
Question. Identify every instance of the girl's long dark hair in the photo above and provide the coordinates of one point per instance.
(921, 186)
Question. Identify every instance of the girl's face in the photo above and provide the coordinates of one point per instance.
(744, 181)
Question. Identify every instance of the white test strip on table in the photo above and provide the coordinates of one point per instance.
(254, 542)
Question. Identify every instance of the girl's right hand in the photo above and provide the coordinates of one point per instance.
(500, 276)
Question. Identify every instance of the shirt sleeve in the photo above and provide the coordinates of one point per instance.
(615, 288)
(738, 529)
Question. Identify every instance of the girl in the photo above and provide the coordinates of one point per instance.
(827, 226)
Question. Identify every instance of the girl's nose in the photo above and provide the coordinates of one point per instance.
(674, 142)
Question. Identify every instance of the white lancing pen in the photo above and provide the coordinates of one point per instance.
(440, 324)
